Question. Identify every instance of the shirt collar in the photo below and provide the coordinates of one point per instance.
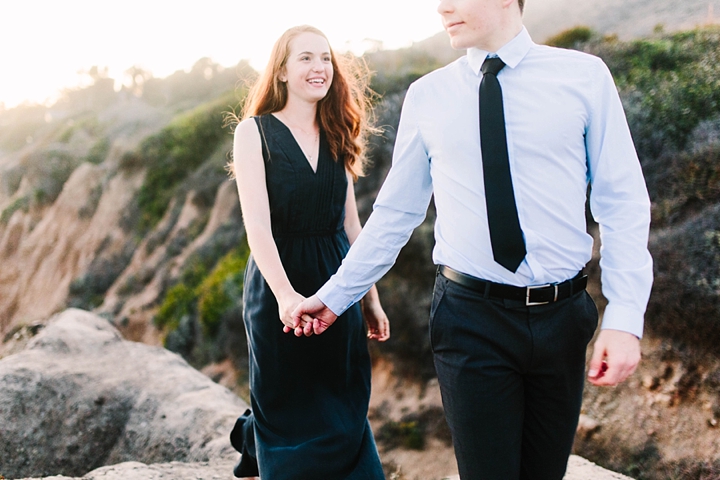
(511, 53)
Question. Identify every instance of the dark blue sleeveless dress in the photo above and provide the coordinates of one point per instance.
(309, 395)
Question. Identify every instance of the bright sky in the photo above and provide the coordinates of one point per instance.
(44, 43)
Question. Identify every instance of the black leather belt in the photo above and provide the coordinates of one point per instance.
(530, 296)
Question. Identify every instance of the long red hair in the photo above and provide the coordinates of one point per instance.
(342, 114)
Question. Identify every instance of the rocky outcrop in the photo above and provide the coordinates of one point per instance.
(79, 397)
(79, 402)
(578, 469)
(581, 469)
(169, 471)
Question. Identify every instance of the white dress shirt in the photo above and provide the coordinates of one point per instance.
(565, 128)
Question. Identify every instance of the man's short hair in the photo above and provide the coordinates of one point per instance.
(521, 3)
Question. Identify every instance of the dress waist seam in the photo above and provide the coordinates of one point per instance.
(316, 233)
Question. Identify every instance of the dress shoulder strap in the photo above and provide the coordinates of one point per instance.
(259, 120)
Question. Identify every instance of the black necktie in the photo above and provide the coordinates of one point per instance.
(505, 233)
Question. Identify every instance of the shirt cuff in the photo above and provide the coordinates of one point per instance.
(335, 299)
(625, 319)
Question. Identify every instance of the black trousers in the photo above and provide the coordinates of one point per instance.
(511, 379)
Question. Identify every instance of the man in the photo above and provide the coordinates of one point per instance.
(510, 319)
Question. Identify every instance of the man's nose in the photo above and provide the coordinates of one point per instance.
(445, 6)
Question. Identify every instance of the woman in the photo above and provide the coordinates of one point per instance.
(296, 155)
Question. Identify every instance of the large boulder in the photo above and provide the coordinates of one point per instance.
(217, 470)
(79, 397)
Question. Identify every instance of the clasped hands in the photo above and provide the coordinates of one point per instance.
(312, 317)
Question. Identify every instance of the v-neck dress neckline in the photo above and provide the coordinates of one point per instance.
(297, 144)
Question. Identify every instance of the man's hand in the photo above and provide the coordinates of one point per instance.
(615, 357)
(322, 316)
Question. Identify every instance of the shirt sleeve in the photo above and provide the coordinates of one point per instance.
(620, 204)
(399, 208)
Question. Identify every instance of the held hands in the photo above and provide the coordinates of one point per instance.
(376, 319)
(311, 317)
(286, 304)
(615, 357)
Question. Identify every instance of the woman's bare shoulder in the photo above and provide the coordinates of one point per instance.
(246, 127)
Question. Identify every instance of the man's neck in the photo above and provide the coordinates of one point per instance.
(502, 36)
(503, 25)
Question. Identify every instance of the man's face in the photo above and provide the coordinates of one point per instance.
(471, 23)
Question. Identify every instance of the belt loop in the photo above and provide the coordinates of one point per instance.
(486, 293)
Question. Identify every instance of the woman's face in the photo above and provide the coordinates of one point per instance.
(308, 70)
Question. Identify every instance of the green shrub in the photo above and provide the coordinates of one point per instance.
(408, 434)
(205, 296)
(171, 155)
(22, 203)
(178, 303)
(47, 172)
(10, 180)
(668, 85)
(571, 38)
(683, 182)
(684, 306)
(221, 290)
(98, 151)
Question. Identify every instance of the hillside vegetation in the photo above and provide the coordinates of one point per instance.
(670, 87)
(117, 202)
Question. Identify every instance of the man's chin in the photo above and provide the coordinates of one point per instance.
(458, 44)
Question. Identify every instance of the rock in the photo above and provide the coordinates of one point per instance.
(170, 471)
(581, 469)
(79, 397)
(578, 469)
(587, 426)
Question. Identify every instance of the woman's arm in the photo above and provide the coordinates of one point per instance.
(375, 317)
(250, 174)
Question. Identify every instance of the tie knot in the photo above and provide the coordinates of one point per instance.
(492, 65)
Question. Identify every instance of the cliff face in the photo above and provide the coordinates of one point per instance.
(44, 251)
(80, 235)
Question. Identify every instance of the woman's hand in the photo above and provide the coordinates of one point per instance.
(376, 319)
(287, 303)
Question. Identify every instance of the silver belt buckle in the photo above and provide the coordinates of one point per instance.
(528, 303)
